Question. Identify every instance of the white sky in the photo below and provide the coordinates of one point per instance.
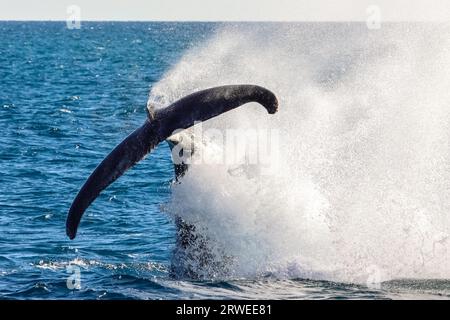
(225, 10)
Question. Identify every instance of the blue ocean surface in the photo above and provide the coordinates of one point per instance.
(67, 97)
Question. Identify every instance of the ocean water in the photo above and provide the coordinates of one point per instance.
(357, 208)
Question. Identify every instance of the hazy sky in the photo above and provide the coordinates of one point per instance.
(261, 10)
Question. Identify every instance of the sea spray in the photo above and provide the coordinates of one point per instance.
(362, 187)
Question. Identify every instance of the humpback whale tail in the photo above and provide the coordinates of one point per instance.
(160, 125)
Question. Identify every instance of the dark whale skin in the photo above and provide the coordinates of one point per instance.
(160, 124)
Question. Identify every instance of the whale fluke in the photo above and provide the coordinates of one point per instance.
(160, 124)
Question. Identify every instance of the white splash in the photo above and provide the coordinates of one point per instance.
(363, 183)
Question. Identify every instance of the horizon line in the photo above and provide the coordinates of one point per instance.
(220, 21)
